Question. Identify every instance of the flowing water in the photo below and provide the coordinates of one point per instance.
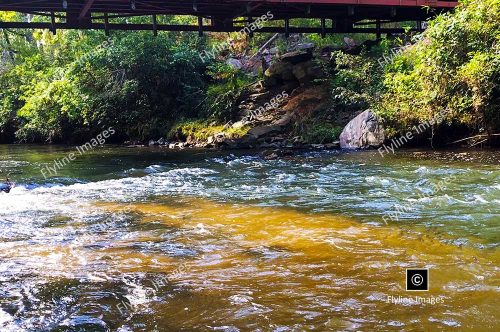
(147, 240)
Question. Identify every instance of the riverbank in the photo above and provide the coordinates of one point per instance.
(258, 90)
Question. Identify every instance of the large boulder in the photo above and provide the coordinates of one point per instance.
(297, 57)
(306, 72)
(362, 132)
(280, 70)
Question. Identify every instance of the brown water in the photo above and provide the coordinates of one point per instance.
(148, 241)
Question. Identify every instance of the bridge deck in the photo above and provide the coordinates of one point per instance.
(89, 14)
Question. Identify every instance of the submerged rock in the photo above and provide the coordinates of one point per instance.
(362, 132)
(5, 187)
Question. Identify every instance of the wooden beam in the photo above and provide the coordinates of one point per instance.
(173, 27)
(53, 23)
(155, 26)
(200, 26)
(85, 9)
(106, 24)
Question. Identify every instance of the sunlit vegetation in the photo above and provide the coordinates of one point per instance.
(70, 86)
(454, 66)
(200, 130)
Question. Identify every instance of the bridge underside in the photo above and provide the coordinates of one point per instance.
(224, 15)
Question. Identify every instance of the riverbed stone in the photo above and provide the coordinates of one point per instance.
(363, 132)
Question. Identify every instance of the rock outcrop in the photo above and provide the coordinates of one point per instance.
(270, 112)
(362, 132)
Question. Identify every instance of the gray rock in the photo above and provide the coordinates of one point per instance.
(240, 124)
(264, 145)
(274, 50)
(235, 63)
(332, 146)
(306, 46)
(276, 139)
(191, 139)
(227, 143)
(220, 137)
(271, 156)
(307, 71)
(300, 70)
(284, 120)
(297, 57)
(261, 131)
(280, 70)
(362, 132)
(270, 81)
(259, 96)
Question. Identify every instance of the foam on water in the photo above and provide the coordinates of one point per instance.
(307, 225)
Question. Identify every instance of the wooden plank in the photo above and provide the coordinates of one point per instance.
(85, 9)
(194, 28)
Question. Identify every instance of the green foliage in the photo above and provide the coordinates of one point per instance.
(198, 129)
(201, 130)
(355, 81)
(225, 92)
(455, 66)
(71, 86)
(321, 133)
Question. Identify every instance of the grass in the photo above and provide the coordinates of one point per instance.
(201, 130)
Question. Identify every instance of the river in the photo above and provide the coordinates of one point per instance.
(124, 239)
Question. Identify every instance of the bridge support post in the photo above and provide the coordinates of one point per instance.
(222, 24)
(53, 22)
(200, 26)
(106, 24)
(323, 27)
(344, 25)
(379, 33)
(250, 21)
(287, 27)
(155, 26)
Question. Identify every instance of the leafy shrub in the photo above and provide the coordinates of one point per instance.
(224, 94)
(455, 66)
(201, 130)
(80, 83)
(355, 81)
(321, 133)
